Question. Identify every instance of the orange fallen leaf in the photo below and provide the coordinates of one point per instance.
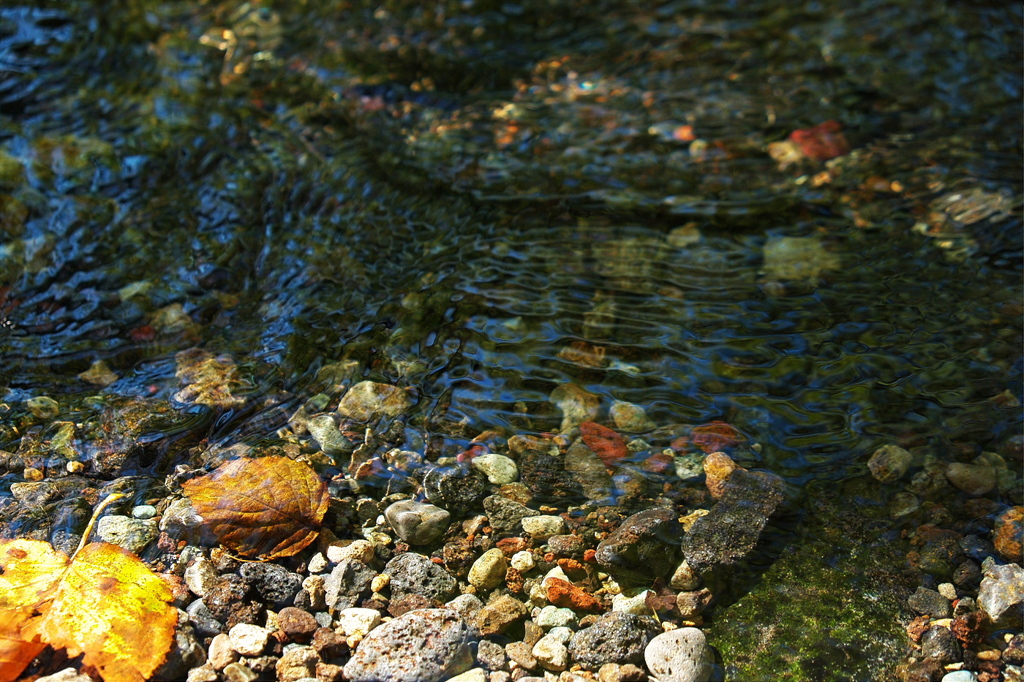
(103, 603)
(268, 507)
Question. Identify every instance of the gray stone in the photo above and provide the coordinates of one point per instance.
(124, 531)
(718, 541)
(644, 546)
(505, 515)
(417, 523)
(413, 573)
(426, 645)
(977, 478)
(179, 518)
(491, 655)
(348, 583)
(202, 619)
(185, 653)
(276, 585)
(929, 603)
(614, 638)
(457, 489)
(327, 435)
(1002, 594)
(367, 399)
(680, 655)
(939, 643)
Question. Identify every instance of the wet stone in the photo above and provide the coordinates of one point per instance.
(498, 615)
(497, 468)
(488, 571)
(200, 576)
(368, 398)
(455, 489)
(547, 480)
(929, 602)
(413, 573)
(645, 545)
(327, 435)
(889, 463)
(614, 638)
(1009, 534)
(428, 645)
(630, 417)
(589, 471)
(724, 537)
(940, 644)
(974, 479)
(202, 619)
(124, 531)
(229, 590)
(543, 527)
(567, 545)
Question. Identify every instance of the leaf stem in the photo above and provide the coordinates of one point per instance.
(92, 522)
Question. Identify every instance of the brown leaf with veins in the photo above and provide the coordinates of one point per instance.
(268, 507)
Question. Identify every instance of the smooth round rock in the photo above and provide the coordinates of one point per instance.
(630, 418)
(680, 656)
(498, 469)
(417, 523)
(488, 571)
(543, 527)
(889, 462)
(369, 398)
(327, 435)
(248, 640)
(426, 645)
(973, 479)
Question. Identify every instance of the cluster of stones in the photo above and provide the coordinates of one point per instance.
(435, 590)
(970, 604)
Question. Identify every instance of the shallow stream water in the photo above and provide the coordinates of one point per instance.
(482, 201)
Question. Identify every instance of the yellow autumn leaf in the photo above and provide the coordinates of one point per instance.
(105, 604)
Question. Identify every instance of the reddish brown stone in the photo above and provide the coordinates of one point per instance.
(822, 142)
(510, 546)
(514, 580)
(328, 643)
(590, 555)
(564, 594)
(179, 590)
(1009, 532)
(327, 672)
(410, 602)
(297, 624)
(658, 463)
(715, 436)
(608, 445)
(969, 628)
(917, 627)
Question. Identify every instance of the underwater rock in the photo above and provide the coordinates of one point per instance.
(1009, 532)
(889, 462)
(718, 467)
(550, 478)
(798, 258)
(498, 468)
(607, 444)
(505, 515)
(576, 404)
(645, 546)
(207, 379)
(457, 489)
(975, 479)
(367, 399)
(723, 538)
(588, 471)
(630, 417)
(327, 435)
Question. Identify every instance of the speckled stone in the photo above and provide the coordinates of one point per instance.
(428, 645)
(679, 656)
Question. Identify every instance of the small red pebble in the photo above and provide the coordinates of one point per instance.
(470, 454)
(822, 142)
(549, 557)
(437, 560)
(143, 333)
(566, 595)
(590, 555)
(715, 436)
